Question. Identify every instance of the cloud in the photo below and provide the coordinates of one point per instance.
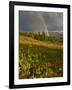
(39, 21)
(54, 20)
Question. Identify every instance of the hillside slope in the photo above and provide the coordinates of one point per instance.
(39, 59)
(31, 41)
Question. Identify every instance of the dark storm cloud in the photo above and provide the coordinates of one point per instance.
(54, 21)
(38, 21)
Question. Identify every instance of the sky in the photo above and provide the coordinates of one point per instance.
(35, 21)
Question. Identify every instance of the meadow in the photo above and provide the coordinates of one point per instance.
(40, 56)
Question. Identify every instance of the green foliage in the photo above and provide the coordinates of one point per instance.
(40, 61)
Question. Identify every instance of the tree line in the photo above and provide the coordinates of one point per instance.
(44, 37)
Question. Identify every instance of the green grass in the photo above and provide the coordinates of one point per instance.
(39, 59)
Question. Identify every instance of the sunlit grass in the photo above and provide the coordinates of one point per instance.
(29, 40)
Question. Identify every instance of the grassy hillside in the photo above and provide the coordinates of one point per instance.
(39, 59)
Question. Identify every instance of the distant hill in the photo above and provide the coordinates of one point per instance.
(55, 33)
